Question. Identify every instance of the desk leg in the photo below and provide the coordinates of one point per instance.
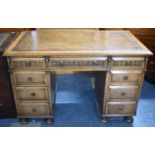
(104, 119)
(24, 121)
(49, 120)
(128, 119)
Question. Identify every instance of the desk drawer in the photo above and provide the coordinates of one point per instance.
(31, 78)
(121, 108)
(32, 93)
(123, 92)
(31, 109)
(98, 62)
(27, 63)
(127, 63)
(133, 77)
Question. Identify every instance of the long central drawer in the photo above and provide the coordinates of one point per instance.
(98, 63)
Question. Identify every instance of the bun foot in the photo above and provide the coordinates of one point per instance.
(24, 121)
(104, 119)
(128, 119)
(49, 121)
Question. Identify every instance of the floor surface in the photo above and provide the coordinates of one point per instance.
(76, 106)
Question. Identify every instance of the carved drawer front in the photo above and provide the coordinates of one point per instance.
(31, 93)
(123, 92)
(127, 63)
(27, 63)
(121, 108)
(32, 109)
(133, 77)
(99, 62)
(31, 78)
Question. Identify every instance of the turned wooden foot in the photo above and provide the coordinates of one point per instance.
(23, 121)
(104, 119)
(128, 119)
(49, 121)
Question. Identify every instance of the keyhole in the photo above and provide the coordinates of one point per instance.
(33, 94)
(29, 78)
(125, 77)
(123, 94)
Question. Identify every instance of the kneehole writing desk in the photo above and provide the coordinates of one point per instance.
(117, 58)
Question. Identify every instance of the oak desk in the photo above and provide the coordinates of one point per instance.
(117, 58)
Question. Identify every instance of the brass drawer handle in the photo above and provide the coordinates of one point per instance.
(34, 110)
(123, 93)
(33, 94)
(125, 77)
(120, 108)
(29, 79)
